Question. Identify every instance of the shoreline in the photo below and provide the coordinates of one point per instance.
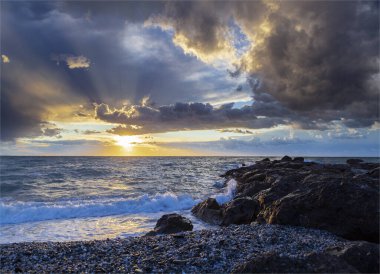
(286, 215)
(217, 250)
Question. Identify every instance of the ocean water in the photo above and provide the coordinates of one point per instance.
(86, 198)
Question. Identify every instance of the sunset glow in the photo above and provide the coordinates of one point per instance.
(229, 78)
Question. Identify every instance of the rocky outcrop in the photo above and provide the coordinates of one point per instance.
(208, 211)
(340, 198)
(171, 223)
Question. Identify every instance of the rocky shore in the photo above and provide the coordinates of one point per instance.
(287, 216)
(340, 198)
(228, 249)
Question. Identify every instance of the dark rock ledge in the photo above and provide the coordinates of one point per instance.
(340, 198)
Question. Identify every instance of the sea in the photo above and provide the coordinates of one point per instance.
(89, 198)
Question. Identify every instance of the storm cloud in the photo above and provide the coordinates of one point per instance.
(142, 119)
(311, 57)
(305, 64)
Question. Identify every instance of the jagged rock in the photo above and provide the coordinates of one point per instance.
(346, 208)
(272, 262)
(240, 211)
(171, 223)
(286, 158)
(208, 211)
(340, 198)
(363, 256)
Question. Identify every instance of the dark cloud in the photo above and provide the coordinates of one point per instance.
(237, 130)
(18, 122)
(52, 132)
(90, 132)
(239, 88)
(312, 57)
(141, 119)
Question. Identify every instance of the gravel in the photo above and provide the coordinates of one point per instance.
(211, 251)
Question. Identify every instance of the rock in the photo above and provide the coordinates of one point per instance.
(368, 166)
(208, 211)
(240, 211)
(363, 256)
(251, 189)
(298, 159)
(339, 198)
(286, 158)
(346, 208)
(375, 173)
(272, 262)
(171, 223)
(265, 160)
(354, 161)
(259, 177)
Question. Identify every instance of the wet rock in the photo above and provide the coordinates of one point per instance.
(240, 211)
(208, 211)
(311, 263)
(171, 223)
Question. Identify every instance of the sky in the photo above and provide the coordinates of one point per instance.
(187, 78)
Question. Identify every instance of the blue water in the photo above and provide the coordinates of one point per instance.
(83, 198)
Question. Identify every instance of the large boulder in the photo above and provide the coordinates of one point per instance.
(346, 208)
(208, 211)
(240, 211)
(272, 262)
(171, 223)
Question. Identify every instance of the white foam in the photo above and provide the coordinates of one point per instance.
(21, 212)
(228, 194)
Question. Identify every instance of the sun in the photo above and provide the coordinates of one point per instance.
(127, 142)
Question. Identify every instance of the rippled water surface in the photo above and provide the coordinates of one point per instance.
(81, 198)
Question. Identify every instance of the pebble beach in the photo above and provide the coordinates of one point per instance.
(216, 251)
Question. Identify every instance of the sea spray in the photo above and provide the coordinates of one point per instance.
(228, 194)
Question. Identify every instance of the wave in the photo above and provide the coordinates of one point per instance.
(228, 194)
(22, 212)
